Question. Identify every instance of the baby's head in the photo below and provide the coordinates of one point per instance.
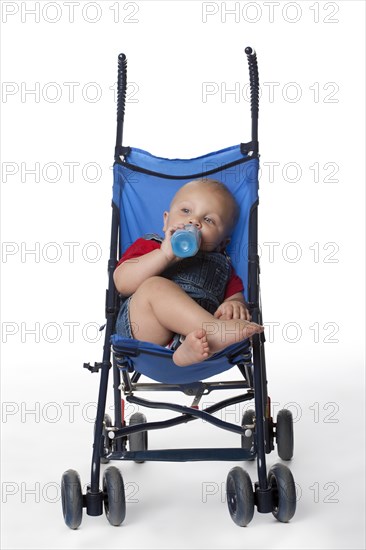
(209, 205)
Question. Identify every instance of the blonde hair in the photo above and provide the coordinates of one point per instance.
(217, 185)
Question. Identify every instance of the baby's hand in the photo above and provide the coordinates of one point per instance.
(166, 245)
(232, 309)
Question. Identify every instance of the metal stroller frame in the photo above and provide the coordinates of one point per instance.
(273, 492)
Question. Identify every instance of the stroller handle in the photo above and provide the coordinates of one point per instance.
(122, 86)
(254, 92)
(121, 99)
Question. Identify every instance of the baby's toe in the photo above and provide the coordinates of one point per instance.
(205, 346)
(199, 333)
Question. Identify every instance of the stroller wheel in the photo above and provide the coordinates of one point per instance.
(285, 434)
(114, 496)
(138, 441)
(282, 483)
(72, 499)
(240, 496)
(247, 440)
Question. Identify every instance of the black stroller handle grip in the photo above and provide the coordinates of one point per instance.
(121, 85)
(254, 90)
(121, 100)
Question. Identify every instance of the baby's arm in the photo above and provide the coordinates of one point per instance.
(233, 307)
(130, 274)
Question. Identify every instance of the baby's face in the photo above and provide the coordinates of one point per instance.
(206, 209)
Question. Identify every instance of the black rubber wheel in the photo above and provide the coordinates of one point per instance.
(247, 441)
(285, 434)
(282, 483)
(240, 496)
(138, 441)
(72, 499)
(114, 496)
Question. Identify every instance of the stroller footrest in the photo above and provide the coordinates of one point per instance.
(184, 455)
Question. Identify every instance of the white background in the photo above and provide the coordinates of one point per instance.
(311, 56)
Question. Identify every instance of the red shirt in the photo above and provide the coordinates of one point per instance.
(143, 246)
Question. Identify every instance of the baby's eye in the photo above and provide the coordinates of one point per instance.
(209, 220)
(185, 210)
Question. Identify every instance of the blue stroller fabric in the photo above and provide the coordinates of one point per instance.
(143, 188)
(156, 362)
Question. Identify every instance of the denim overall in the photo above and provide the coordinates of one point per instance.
(203, 277)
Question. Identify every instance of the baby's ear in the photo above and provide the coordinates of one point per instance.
(165, 218)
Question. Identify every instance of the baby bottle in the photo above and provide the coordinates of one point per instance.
(186, 242)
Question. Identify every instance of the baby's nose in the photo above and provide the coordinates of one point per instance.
(195, 222)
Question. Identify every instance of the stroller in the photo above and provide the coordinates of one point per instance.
(143, 187)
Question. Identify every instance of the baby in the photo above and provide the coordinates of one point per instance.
(199, 298)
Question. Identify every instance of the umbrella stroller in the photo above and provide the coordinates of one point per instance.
(143, 187)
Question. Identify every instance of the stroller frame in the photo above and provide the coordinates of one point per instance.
(258, 430)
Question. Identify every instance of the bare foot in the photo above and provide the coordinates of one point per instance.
(223, 333)
(193, 349)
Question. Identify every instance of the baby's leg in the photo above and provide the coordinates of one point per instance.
(160, 308)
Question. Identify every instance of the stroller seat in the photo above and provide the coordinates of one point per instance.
(156, 361)
(144, 186)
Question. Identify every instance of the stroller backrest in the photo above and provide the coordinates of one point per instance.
(144, 186)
